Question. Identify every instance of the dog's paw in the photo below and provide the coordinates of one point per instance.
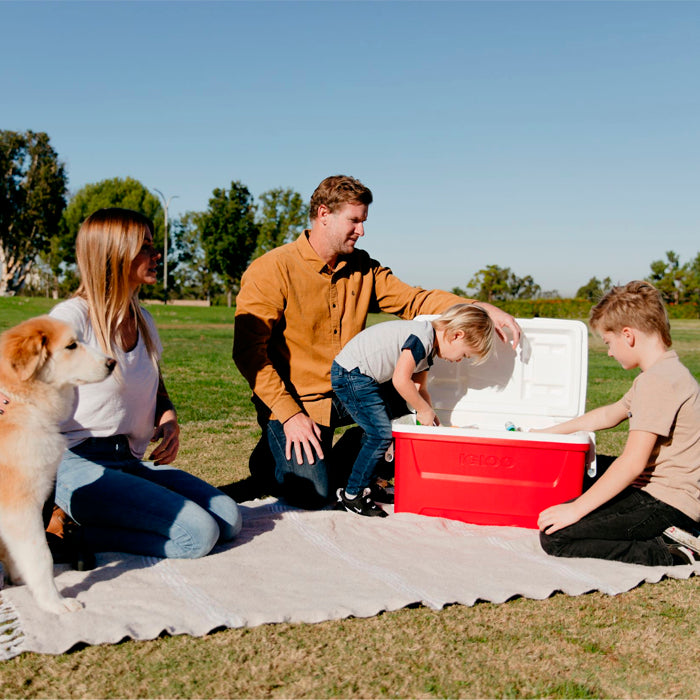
(71, 605)
(62, 605)
(12, 577)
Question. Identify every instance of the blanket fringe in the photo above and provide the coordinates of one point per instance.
(11, 634)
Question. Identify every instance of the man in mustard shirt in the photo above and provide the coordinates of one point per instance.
(297, 307)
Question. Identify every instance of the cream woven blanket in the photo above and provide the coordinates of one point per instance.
(290, 565)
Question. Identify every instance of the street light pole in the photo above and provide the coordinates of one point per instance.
(166, 204)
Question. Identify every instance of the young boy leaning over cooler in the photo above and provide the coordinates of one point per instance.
(400, 351)
(645, 508)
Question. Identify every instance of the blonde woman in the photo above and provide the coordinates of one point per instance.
(122, 502)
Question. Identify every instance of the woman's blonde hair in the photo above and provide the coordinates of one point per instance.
(474, 322)
(108, 242)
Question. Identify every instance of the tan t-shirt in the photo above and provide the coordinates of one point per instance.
(665, 399)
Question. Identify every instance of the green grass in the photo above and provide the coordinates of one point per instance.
(640, 644)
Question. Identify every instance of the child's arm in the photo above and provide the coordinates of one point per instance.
(420, 379)
(621, 473)
(598, 419)
(411, 387)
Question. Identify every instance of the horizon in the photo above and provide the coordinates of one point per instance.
(558, 139)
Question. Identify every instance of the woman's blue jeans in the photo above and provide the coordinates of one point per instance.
(627, 528)
(363, 399)
(126, 505)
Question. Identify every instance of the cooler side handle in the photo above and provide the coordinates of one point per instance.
(591, 468)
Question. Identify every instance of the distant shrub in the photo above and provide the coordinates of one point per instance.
(547, 308)
(576, 308)
(683, 311)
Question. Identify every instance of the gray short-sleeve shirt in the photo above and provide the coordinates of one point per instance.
(376, 350)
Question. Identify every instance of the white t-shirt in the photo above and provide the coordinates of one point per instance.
(125, 402)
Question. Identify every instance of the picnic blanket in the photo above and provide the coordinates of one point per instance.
(290, 565)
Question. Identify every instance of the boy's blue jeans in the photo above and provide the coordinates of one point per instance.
(627, 528)
(126, 505)
(363, 399)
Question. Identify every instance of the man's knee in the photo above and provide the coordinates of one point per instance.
(302, 492)
(262, 467)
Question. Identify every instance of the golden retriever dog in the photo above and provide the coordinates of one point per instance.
(41, 361)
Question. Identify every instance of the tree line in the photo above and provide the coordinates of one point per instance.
(207, 251)
(678, 283)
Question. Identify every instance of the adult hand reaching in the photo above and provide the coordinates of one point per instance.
(502, 320)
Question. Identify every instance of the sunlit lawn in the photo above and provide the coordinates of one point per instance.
(639, 644)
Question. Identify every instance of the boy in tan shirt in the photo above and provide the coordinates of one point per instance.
(645, 508)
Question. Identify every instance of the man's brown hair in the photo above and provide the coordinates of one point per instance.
(337, 190)
(638, 305)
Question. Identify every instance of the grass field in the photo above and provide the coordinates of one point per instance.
(641, 644)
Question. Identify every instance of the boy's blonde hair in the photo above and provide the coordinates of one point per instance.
(637, 304)
(107, 243)
(474, 322)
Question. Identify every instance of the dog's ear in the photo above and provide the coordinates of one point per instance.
(27, 352)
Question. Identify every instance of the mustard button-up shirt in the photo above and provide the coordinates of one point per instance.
(294, 314)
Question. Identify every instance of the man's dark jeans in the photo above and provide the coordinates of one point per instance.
(312, 485)
(627, 528)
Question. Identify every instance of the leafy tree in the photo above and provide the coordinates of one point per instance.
(594, 289)
(229, 234)
(523, 287)
(495, 283)
(669, 277)
(32, 198)
(284, 215)
(192, 277)
(692, 281)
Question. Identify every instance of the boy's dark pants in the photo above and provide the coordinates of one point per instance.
(627, 528)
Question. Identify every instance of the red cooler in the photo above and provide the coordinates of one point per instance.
(481, 465)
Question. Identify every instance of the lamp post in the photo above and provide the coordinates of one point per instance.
(166, 204)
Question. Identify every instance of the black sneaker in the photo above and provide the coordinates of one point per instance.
(381, 492)
(362, 504)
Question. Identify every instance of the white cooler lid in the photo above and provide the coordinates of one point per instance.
(545, 378)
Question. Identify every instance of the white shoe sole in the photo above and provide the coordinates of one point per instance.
(684, 538)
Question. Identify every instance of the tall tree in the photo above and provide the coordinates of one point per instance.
(594, 289)
(668, 276)
(494, 283)
(32, 198)
(192, 278)
(282, 217)
(692, 281)
(229, 234)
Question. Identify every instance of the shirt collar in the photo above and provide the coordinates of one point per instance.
(311, 256)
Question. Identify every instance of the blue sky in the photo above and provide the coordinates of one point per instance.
(560, 139)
